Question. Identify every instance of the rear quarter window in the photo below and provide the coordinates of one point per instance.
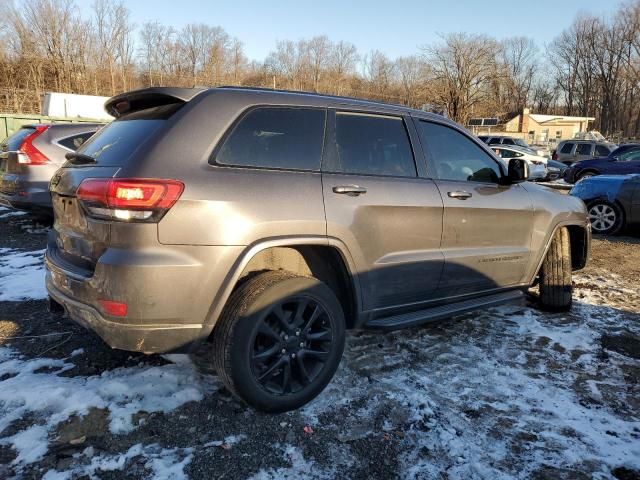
(566, 148)
(277, 138)
(74, 142)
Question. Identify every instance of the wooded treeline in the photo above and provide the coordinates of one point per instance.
(591, 68)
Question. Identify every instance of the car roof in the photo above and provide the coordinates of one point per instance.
(143, 98)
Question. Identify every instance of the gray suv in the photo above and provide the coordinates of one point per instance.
(570, 151)
(260, 225)
(30, 157)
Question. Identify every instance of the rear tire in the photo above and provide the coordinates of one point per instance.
(555, 275)
(279, 340)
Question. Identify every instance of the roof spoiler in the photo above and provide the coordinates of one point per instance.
(143, 98)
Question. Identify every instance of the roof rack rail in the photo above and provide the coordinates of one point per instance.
(316, 94)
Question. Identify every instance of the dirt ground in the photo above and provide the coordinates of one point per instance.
(510, 392)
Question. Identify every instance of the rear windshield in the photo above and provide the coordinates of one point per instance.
(112, 145)
(14, 142)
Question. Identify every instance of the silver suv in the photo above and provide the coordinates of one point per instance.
(30, 157)
(261, 224)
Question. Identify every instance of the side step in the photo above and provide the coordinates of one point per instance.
(443, 311)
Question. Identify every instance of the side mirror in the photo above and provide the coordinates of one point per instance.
(518, 171)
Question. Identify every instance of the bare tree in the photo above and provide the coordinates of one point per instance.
(462, 68)
(518, 60)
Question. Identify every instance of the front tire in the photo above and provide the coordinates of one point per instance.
(585, 175)
(279, 340)
(606, 218)
(555, 276)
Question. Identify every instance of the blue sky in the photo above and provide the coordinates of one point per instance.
(395, 28)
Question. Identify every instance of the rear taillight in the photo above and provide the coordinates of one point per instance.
(554, 155)
(130, 199)
(29, 154)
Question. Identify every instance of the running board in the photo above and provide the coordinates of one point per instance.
(443, 311)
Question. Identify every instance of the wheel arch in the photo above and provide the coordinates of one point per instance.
(328, 260)
(580, 238)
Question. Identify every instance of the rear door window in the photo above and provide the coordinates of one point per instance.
(583, 149)
(567, 148)
(372, 145)
(117, 142)
(279, 138)
(74, 142)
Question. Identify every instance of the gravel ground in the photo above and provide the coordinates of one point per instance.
(510, 392)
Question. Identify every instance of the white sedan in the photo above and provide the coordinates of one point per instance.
(537, 163)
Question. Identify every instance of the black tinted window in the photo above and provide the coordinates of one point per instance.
(116, 142)
(372, 145)
(507, 141)
(276, 138)
(494, 141)
(456, 157)
(583, 149)
(74, 142)
(601, 151)
(14, 142)
(566, 148)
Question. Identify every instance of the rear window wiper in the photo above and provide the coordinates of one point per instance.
(79, 158)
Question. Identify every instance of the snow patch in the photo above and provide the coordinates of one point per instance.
(21, 275)
(51, 398)
(162, 463)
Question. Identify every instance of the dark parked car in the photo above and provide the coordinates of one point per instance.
(29, 158)
(267, 222)
(555, 170)
(613, 201)
(625, 163)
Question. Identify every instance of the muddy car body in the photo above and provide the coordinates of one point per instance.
(267, 222)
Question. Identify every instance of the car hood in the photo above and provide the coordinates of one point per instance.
(601, 186)
(591, 161)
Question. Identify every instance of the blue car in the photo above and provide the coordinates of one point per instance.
(613, 201)
(624, 160)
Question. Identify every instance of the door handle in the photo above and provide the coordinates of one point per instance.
(351, 190)
(460, 195)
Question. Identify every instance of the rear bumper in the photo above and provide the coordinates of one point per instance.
(135, 338)
(168, 290)
(25, 195)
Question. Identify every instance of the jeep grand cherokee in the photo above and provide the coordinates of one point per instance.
(265, 223)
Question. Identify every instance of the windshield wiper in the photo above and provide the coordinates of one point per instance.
(79, 158)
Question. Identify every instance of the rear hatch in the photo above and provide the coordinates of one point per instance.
(78, 237)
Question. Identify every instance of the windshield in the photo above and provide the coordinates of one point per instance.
(115, 143)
